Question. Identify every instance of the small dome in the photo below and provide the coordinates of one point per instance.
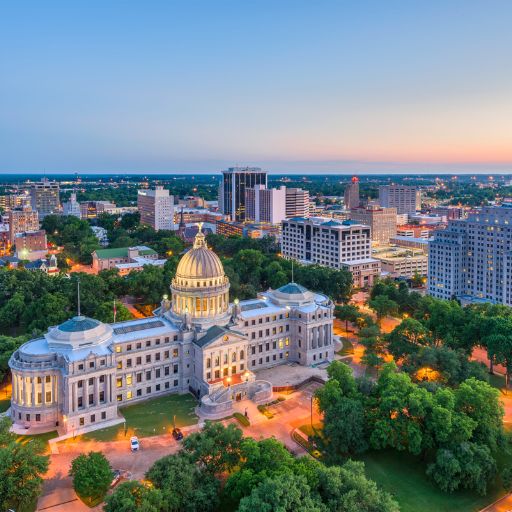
(200, 262)
(293, 293)
(78, 332)
(78, 324)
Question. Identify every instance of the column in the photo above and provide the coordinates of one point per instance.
(14, 388)
(96, 394)
(33, 401)
(69, 395)
(55, 389)
(43, 386)
(75, 396)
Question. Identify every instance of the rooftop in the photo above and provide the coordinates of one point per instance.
(122, 252)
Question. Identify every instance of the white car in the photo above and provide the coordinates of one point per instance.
(134, 444)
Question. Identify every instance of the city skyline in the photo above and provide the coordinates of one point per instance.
(292, 87)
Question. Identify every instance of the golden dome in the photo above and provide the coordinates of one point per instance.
(200, 262)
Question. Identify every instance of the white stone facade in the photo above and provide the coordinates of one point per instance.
(76, 376)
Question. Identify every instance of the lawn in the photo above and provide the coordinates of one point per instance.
(150, 418)
(347, 349)
(403, 476)
(22, 439)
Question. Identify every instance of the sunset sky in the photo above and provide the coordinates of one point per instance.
(292, 86)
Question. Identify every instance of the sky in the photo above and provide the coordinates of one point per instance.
(288, 85)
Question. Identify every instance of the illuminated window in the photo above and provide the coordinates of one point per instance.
(280, 343)
(119, 382)
(129, 395)
(129, 380)
(118, 348)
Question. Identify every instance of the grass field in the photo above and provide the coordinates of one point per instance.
(347, 349)
(404, 477)
(150, 418)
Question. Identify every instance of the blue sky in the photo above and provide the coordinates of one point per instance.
(293, 86)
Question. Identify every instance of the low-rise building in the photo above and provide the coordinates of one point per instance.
(400, 262)
(106, 259)
(31, 245)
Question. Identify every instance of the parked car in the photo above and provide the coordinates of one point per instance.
(134, 444)
(177, 434)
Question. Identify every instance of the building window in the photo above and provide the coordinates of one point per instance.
(175, 383)
(38, 417)
(129, 395)
(81, 421)
(148, 375)
(91, 399)
(118, 348)
(129, 379)
(80, 366)
(119, 382)
(93, 418)
(139, 392)
(148, 358)
(79, 402)
(102, 396)
(175, 368)
(157, 373)
(157, 388)
(103, 415)
(119, 398)
(48, 397)
(102, 378)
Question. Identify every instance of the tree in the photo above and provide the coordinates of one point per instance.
(135, 496)
(286, 493)
(105, 312)
(22, 466)
(383, 306)
(347, 313)
(499, 346)
(185, 487)
(346, 488)
(92, 475)
(467, 466)
(506, 478)
(407, 337)
(346, 437)
(215, 448)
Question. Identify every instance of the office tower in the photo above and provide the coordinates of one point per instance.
(234, 182)
(333, 244)
(265, 204)
(472, 258)
(402, 197)
(72, 207)
(351, 196)
(382, 221)
(44, 197)
(156, 208)
(13, 201)
(22, 220)
(297, 202)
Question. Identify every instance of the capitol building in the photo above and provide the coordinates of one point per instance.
(76, 376)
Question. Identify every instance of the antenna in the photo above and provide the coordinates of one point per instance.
(78, 294)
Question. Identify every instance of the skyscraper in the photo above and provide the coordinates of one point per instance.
(402, 197)
(44, 197)
(232, 189)
(156, 208)
(472, 258)
(265, 204)
(351, 195)
(21, 220)
(382, 221)
(297, 202)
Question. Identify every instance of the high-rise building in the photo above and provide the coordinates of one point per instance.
(21, 220)
(156, 208)
(472, 258)
(44, 197)
(333, 244)
(265, 204)
(72, 207)
(235, 181)
(402, 197)
(297, 202)
(382, 221)
(351, 196)
(13, 201)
